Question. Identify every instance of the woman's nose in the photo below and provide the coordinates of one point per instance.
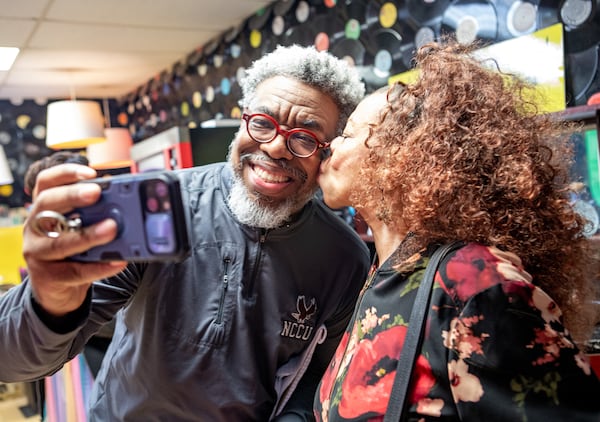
(333, 144)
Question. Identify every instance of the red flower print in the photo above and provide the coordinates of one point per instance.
(332, 369)
(371, 373)
(471, 270)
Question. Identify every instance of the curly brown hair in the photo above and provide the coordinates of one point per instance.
(467, 155)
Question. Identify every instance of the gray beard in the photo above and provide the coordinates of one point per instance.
(257, 212)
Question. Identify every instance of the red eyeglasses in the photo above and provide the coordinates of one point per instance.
(263, 128)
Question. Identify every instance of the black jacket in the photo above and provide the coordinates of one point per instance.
(211, 338)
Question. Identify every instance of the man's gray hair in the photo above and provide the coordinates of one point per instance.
(321, 70)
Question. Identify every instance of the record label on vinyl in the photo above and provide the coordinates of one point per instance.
(574, 13)
(582, 24)
(202, 69)
(278, 25)
(322, 41)
(255, 38)
(388, 14)
(467, 29)
(521, 18)
(383, 63)
(235, 50)
(235, 113)
(185, 109)
(302, 11)
(209, 96)
(197, 99)
(240, 73)
(423, 36)
(225, 86)
(352, 29)
(39, 131)
(470, 20)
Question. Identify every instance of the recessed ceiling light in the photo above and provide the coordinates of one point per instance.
(7, 57)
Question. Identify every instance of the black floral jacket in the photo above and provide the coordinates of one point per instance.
(495, 348)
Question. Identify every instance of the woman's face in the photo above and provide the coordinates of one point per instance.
(339, 173)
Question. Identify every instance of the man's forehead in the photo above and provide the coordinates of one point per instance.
(292, 102)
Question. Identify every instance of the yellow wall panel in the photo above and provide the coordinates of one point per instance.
(11, 259)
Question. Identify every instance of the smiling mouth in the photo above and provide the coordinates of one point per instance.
(269, 177)
(272, 171)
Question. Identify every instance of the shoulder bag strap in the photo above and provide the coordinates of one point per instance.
(414, 337)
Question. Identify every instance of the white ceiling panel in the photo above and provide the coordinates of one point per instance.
(115, 38)
(105, 48)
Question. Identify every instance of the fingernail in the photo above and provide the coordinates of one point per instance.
(88, 191)
(105, 227)
(84, 172)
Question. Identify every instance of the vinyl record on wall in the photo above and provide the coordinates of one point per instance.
(233, 33)
(302, 11)
(397, 19)
(230, 103)
(521, 17)
(282, 7)
(424, 35)
(425, 12)
(194, 58)
(547, 12)
(300, 34)
(381, 14)
(327, 27)
(469, 20)
(352, 51)
(581, 20)
(260, 18)
(287, 15)
(582, 71)
(391, 51)
(238, 48)
(278, 25)
(353, 9)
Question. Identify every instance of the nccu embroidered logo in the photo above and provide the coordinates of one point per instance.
(298, 329)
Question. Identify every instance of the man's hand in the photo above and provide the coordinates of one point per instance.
(59, 285)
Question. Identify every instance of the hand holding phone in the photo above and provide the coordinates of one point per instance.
(148, 210)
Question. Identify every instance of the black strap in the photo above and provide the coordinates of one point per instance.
(414, 337)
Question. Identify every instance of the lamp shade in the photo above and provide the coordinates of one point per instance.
(114, 152)
(6, 177)
(73, 124)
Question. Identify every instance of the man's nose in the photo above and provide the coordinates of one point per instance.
(277, 148)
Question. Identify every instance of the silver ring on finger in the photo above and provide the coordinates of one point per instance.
(52, 224)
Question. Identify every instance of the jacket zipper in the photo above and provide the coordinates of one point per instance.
(261, 240)
(225, 283)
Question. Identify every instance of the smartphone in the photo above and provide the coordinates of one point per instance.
(148, 209)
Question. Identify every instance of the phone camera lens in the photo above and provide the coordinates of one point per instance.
(152, 204)
(161, 189)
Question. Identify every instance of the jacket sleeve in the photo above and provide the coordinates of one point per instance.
(35, 345)
(526, 368)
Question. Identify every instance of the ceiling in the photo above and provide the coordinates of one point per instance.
(105, 48)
